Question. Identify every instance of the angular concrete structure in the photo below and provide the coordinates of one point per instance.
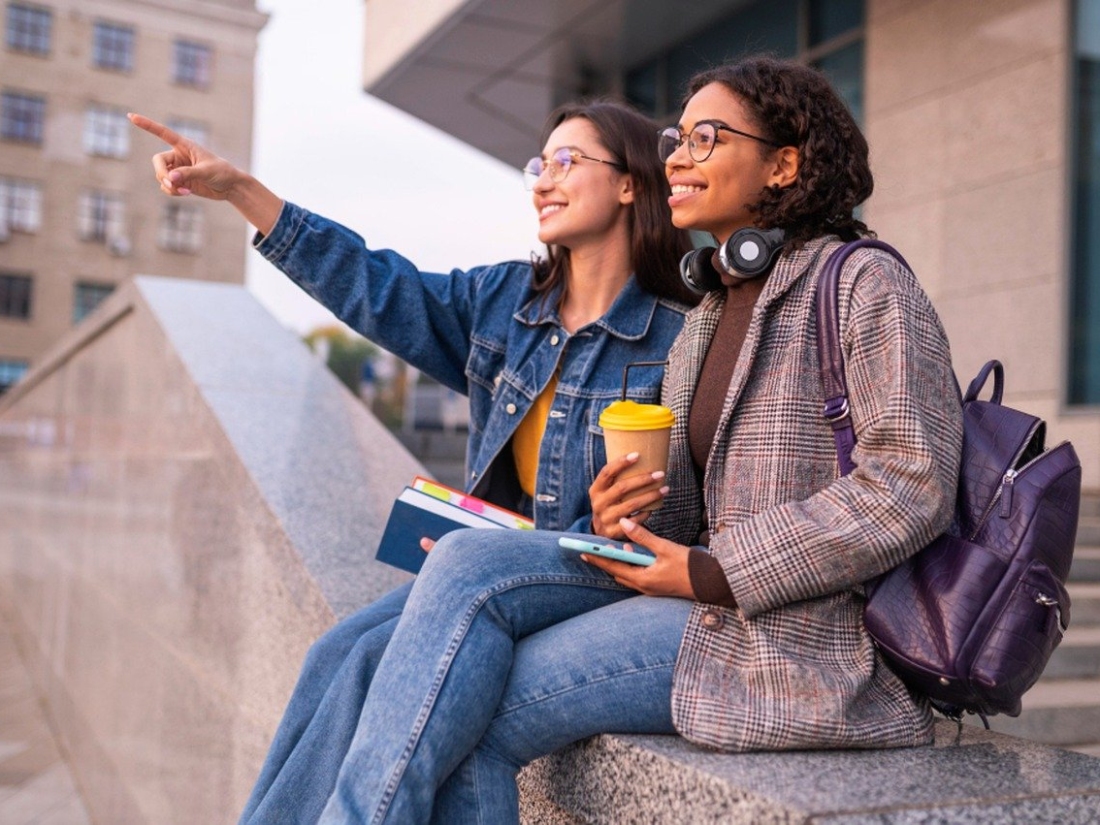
(188, 499)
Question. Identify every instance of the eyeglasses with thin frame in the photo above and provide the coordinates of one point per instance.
(558, 165)
(700, 141)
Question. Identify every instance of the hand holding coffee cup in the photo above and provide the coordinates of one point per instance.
(630, 427)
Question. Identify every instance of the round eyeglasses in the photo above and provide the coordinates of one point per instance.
(558, 165)
(700, 141)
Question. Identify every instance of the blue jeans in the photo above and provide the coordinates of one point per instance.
(304, 759)
(508, 648)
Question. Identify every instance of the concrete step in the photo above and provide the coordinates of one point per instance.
(1088, 531)
(1084, 600)
(1086, 563)
(1063, 712)
(1077, 657)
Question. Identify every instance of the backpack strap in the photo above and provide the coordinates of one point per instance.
(831, 357)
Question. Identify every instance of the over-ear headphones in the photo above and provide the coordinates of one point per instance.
(749, 253)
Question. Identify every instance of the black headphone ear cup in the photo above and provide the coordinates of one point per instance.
(751, 252)
(698, 272)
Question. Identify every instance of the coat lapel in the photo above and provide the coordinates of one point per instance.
(789, 270)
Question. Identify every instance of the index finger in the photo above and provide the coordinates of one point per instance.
(156, 129)
(612, 468)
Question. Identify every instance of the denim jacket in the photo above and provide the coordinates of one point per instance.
(487, 334)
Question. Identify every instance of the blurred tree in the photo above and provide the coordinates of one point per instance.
(344, 353)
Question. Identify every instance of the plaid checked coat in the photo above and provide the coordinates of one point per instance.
(793, 667)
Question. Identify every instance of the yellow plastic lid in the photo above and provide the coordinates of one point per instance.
(630, 415)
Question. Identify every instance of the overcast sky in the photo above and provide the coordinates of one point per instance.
(324, 144)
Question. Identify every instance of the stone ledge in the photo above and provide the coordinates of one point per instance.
(978, 777)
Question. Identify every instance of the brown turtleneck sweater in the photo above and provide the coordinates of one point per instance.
(708, 580)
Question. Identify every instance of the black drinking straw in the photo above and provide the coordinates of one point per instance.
(626, 371)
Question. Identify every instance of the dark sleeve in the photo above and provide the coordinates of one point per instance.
(708, 581)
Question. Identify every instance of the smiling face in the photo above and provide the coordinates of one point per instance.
(715, 195)
(594, 198)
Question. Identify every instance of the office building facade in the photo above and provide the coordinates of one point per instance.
(79, 210)
(983, 118)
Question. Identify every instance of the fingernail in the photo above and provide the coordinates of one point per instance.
(664, 491)
(632, 456)
(658, 474)
(627, 524)
(174, 176)
(183, 191)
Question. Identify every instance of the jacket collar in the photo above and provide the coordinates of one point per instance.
(628, 318)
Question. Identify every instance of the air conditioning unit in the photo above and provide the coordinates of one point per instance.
(119, 246)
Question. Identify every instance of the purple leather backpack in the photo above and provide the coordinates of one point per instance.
(972, 619)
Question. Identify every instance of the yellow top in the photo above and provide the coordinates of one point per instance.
(528, 437)
(630, 415)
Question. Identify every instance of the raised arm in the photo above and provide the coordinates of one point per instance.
(190, 169)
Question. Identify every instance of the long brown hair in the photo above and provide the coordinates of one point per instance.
(794, 105)
(656, 246)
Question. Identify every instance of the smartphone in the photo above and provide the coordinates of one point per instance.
(607, 551)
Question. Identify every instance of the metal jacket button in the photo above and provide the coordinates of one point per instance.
(554, 340)
(510, 409)
(712, 620)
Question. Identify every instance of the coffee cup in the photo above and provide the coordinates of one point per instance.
(630, 427)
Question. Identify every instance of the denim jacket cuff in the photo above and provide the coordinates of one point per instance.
(275, 244)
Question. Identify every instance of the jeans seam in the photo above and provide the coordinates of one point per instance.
(448, 659)
(571, 688)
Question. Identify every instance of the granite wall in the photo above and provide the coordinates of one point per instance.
(187, 499)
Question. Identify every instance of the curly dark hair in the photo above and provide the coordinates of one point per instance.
(794, 105)
(656, 246)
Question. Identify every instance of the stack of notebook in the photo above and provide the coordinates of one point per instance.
(428, 509)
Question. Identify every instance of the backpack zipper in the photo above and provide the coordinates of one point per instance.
(1007, 480)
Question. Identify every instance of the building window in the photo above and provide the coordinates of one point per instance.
(106, 132)
(15, 296)
(29, 29)
(190, 129)
(1084, 327)
(113, 47)
(101, 217)
(10, 372)
(827, 34)
(181, 227)
(22, 117)
(192, 64)
(20, 206)
(87, 296)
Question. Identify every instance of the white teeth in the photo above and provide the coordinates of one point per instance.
(550, 207)
(682, 189)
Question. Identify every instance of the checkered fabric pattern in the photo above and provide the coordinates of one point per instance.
(792, 667)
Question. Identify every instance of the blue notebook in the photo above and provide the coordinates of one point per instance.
(430, 512)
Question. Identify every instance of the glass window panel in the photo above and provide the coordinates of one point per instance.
(643, 87)
(106, 132)
(192, 64)
(113, 47)
(101, 217)
(28, 29)
(844, 68)
(190, 129)
(832, 18)
(10, 372)
(181, 227)
(15, 296)
(1088, 29)
(87, 296)
(22, 117)
(20, 205)
(1084, 379)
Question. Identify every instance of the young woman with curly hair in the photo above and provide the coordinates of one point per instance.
(746, 633)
